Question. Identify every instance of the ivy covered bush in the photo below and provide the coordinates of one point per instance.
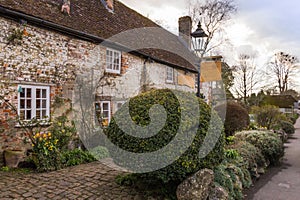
(237, 117)
(269, 143)
(189, 162)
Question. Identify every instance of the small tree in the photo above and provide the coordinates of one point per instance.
(246, 76)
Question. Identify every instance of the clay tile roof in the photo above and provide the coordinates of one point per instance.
(90, 16)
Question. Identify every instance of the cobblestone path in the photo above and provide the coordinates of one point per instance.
(89, 181)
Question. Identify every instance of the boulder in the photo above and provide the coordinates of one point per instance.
(197, 186)
(218, 193)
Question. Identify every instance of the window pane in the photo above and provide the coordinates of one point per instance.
(28, 114)
(44, 93)
(28, 93)
(105, 106)
(22, 103)
(22, 114)
(22, 94)
(44, 103)
(105, 114)
(97, 106)
(44, 114)
(38, 93)
(116, 55)
(38, 114)
(28, 105)
(38, 103)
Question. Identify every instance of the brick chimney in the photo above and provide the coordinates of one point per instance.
(185, 29)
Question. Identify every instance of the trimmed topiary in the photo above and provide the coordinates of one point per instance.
(287, 127)
(268, 142)
(237, 117)
(189, 161)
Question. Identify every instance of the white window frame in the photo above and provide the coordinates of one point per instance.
(33, 101)
(110, 61)
(102, 110)
(169, 74)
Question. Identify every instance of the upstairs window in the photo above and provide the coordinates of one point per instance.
(113, 61)
(170, 75)
(33, 102)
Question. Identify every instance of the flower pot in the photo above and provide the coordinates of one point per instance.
(13, 157)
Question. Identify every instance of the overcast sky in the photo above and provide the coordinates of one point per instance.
(263, 26)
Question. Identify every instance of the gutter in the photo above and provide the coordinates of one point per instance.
(17, 16)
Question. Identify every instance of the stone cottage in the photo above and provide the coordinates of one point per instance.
(45, 44)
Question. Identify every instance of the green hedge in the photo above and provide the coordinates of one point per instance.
(268, 142)
(189, 161)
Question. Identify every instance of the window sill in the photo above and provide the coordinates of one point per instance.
(27, 124)
(170, 82)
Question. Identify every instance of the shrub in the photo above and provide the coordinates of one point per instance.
(45, 152)
(251, 156)
(237, 117)
(287, 127)
(232, 178)
(48, 145)
(189, 161)
(64, 131)
(268, 142)
(76, 157)
(267, 116)
(292, 118)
